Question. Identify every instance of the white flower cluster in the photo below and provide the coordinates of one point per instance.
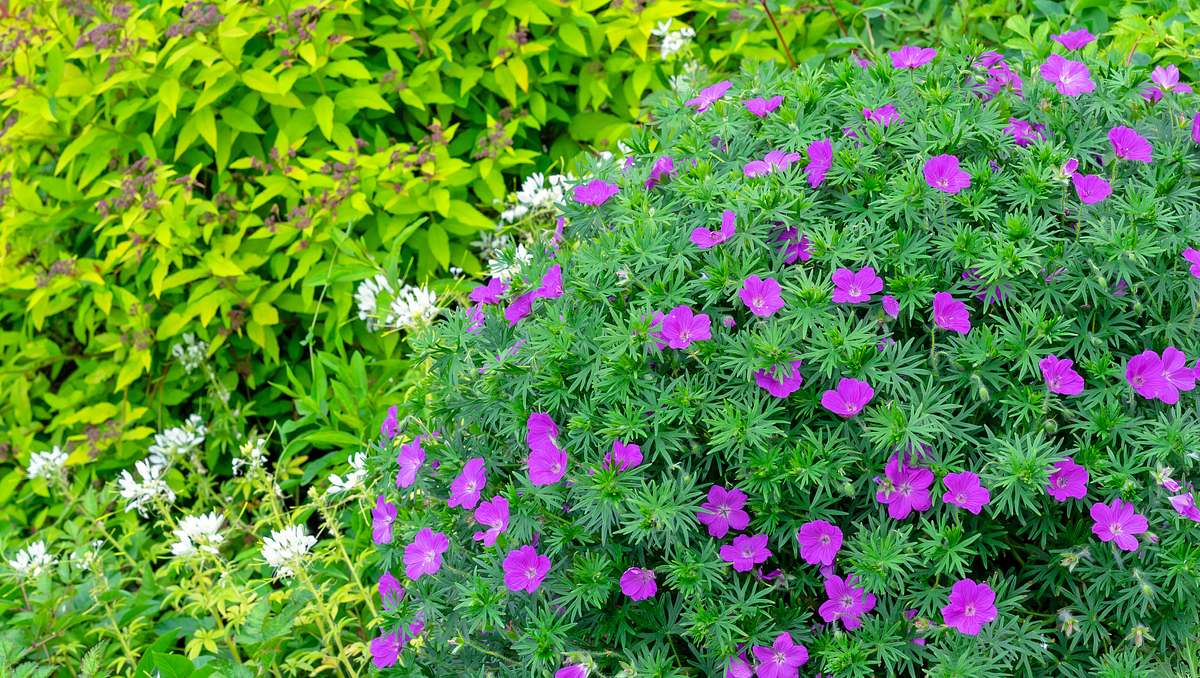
(47, 465)
(367, 297)
(199, 533)
(353, 479)
(672, 42)
(141, 490)
(191, 353)
(175, 443)
(253, 457)
(538, 193)
(506, 264)
(285, 548)
(32, 560)
(410, 308)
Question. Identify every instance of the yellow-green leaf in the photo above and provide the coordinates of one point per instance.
(260, 81)
(323, 110)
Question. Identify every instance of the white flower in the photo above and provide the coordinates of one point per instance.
(177, 442)
(671, 42)
(141, 491)
(47, 465)
(539, 194)
(253, 457)
(491, 243)
(191, 353)
(199, 533)
(358, 473)
(367, 297)
(412, 308)
(505, 266)
(32, 560)
(286, 548)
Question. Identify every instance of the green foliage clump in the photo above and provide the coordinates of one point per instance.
(590, 364)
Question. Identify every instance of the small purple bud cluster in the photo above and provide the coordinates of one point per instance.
(196, 16)
(138, 185)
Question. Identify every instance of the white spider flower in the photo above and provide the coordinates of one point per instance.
(199, 533)
(141, 490)
(32, 560)
(47, 465)
(353, 479)
(286, 549)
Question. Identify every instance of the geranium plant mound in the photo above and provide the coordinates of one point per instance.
(893, 376)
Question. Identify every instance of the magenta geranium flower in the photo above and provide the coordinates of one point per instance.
(595, 192)
(1127, 144)
(1059, 375)
(773, 161)
(391, 423)
(681, 327)
(491, 293)
(796, 246)
(819, 542)
(891, 306)
(424, 555)
(1167, 79)
(1070, 78)
(904, 488)
(391, 593)
(638, 583)
(849, 398)
(820, 159)
(1091, 188)
(524, 569)
(943, 173)
(466, 488)
(547, 463)
(971, 605)
(761, 296)
(738, 667)
(782, 660)
(746, 551)
(884, 115)
(410, 459)
(1073, 40)
(382, 517)
(704, 238)
(1196, 127)
(1176, 375)
(663, 167)
(520, 308)
(950, 313)
(623, 457)
(1146, 374)
(1185, 505)
(780, 385)
(723, 511)
(494, 515)
(1068, 480)
(552, 286)
(763, 107)
(385, 650)
(847, 603)
(964, 491)
(854, 287)
(1022, 132)
(709, 96)
(572, 671)
(1118, 522)
(1193, 258)
(911, 56)
(476, 317)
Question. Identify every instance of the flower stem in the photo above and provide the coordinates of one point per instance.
(779, 34)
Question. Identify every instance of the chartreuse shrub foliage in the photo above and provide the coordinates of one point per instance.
(893, 358)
